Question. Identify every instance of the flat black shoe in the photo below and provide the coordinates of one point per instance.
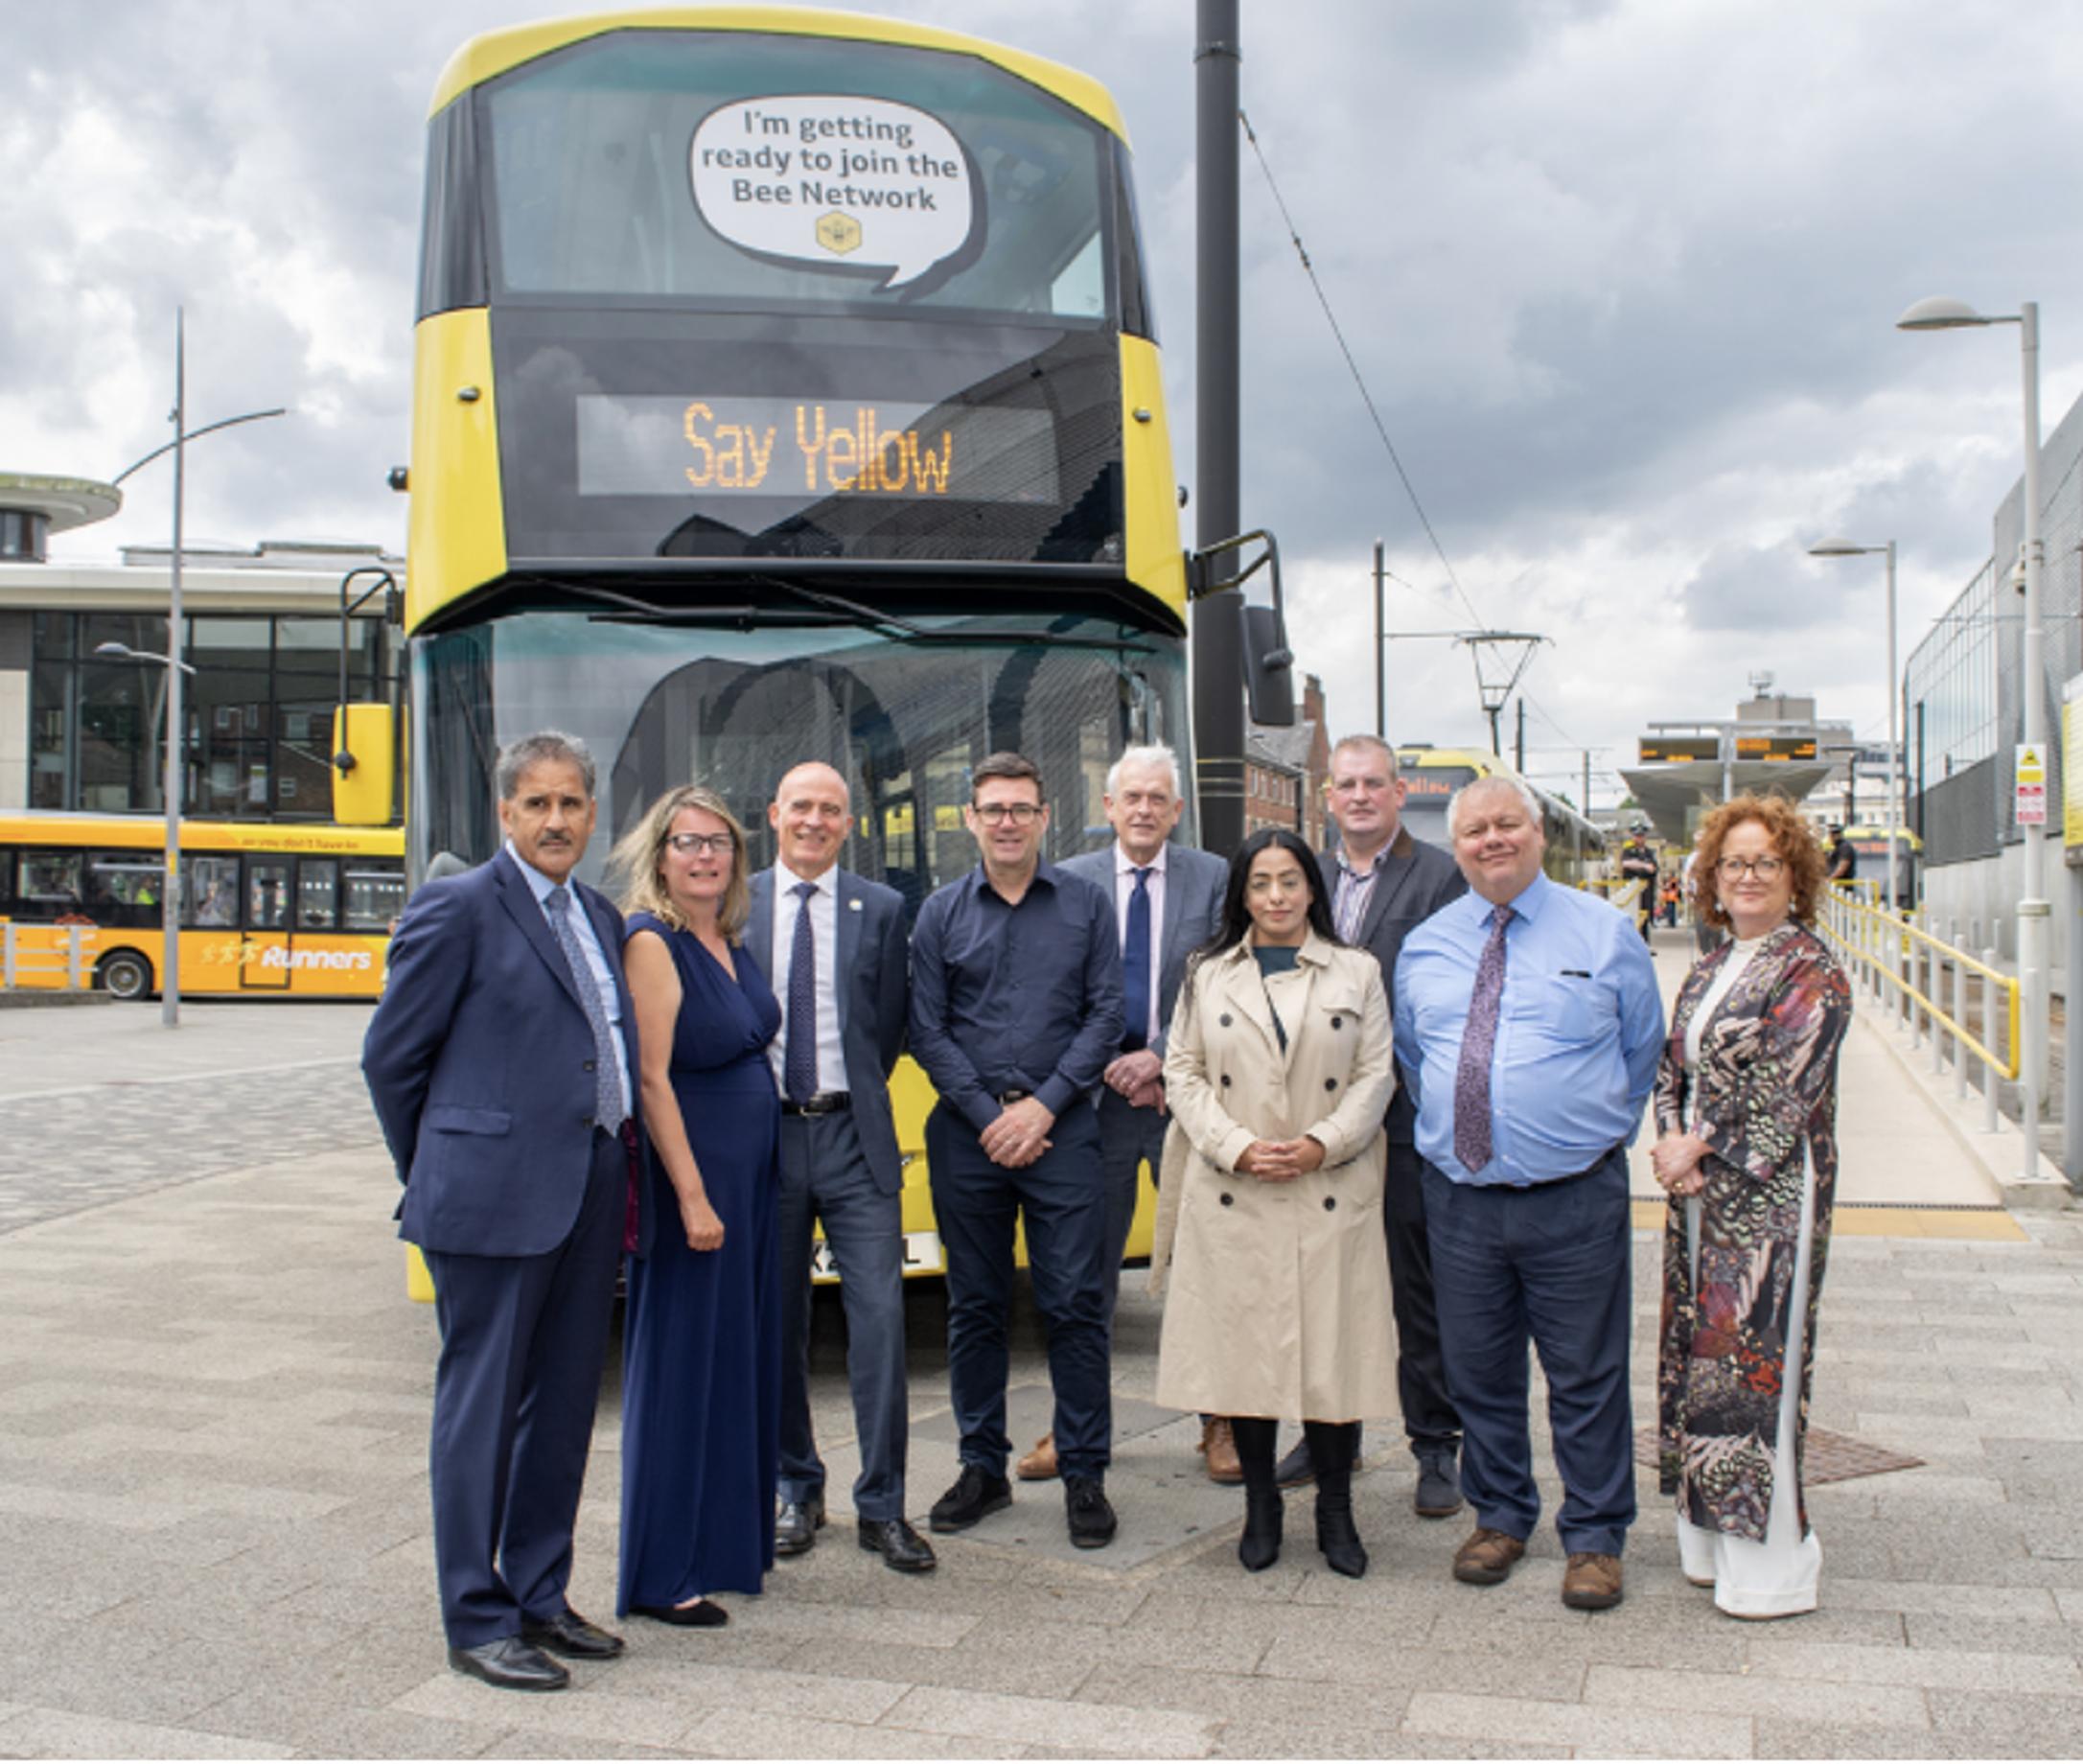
(1438, 1494)
(898, 1545)
(570, 1634)
(510, 1663)
(976, 1495)
(1089, 1513)
(795, 1527)
(1297, 1468)
(701, 1614)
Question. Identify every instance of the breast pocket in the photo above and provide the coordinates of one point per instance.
(1567, 1007)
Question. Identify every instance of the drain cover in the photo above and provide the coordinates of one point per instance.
(1830, 1457)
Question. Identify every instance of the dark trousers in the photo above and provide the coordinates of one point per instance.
(1061, 1199)
(1550, 1263)
(1429, 1417)
(1128, 1139)
(824, 1176)
(523, 1338)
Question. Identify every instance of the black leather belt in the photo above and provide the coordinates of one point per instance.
(1007, 1098)
(824, 1103)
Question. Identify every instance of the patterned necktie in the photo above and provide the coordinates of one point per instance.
(799, 1042)
(608, 1110)
(1135, 955)
(1479, 1041)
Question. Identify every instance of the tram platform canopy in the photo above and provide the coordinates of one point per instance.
(1675, 794)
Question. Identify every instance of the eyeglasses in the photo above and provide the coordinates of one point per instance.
(688, 843)
(1020, 814)
(1764, 869)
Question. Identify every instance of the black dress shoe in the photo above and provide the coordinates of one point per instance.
(1438, 1494)
(976, 1493)
(795, 1527)
(1296, 1467)
(701, 1614)
(1089, 1513)
(570, 1634)
(510, 1663)
(901, 1546)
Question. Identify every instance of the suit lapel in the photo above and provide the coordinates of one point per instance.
(1174, 911)
(1389, 885)
(846, 898)
(1243, 991)
(519, 900)
(759, 930)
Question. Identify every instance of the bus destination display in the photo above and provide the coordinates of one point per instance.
(792, 447)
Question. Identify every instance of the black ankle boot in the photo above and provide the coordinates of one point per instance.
(1258, 1548)
(1337, 1536)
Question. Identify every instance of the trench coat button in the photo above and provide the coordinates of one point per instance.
(1331, 1204)
(1229, 1199)
(1225, 1080)
(1225, 1019)
(1338, 1022)
(589, 1065)
(1330, 1083)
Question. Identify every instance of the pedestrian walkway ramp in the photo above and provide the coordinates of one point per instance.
(1903, 1168)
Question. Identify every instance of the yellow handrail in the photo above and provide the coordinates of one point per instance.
(1889, 924)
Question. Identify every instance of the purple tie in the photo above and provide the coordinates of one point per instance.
(1479, 1041)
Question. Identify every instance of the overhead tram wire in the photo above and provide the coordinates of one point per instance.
(1337, 330)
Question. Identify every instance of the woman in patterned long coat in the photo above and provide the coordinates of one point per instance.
(1747, 1114)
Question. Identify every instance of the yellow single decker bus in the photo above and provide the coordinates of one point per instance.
(786, 388)
(296, 910)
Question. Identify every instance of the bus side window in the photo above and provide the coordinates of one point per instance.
(317, 894)
(210, 886)
(375, 895)
(50, 890)
(268, 894)
(122, 888)
(7, 884)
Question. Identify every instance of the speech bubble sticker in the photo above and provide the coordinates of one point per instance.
(861, 185)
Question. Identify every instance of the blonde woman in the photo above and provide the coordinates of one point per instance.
(702, 1354)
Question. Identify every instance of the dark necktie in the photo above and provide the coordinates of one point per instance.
(1479, 1041)
(607, 1066)
(800, 1045)
(1135, 956)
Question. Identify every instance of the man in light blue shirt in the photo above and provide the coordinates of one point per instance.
(1528, 1020)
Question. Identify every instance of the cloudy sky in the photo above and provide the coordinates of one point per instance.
(1621, 276)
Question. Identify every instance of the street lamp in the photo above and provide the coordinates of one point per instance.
(1844, 547)
(170, 966)
(1940, 314)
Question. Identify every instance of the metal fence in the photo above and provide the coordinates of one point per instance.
(47, 958)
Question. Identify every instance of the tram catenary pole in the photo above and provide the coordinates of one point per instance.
(1218, 646)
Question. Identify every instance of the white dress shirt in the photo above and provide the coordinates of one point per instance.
(824, 939)
(1125, 888)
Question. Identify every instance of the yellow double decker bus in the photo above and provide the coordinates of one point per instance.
(785, 388)
(286, 908)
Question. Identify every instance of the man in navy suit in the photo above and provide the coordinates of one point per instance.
(1180, 907)
(1383, 884)
(834, 945)
(501, 1062)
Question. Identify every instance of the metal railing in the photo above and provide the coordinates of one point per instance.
(47, 958)
(1929, 983)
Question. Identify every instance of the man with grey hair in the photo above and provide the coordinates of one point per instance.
(1168, 900)
(502, 1063)
(1384, 883)
(1528, 1024)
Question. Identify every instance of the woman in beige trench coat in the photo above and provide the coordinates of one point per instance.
(1270, 1243)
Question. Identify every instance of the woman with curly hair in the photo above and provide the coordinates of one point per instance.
(1746, 1114)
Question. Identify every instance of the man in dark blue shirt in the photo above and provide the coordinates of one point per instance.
(1016, 1010)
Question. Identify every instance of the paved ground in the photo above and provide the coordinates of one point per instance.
(213, 1513)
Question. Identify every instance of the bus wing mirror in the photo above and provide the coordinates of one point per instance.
(364, 765)
(1269, 669)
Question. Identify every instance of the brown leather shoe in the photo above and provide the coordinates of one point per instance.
(1218, 1450)
(1040, 1464)
(1591, 1582)
(1486, 1558)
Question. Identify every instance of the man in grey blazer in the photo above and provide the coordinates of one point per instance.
(1382, 884)
(833, 944)
(1168, 900)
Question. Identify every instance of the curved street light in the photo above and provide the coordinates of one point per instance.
(170, 965)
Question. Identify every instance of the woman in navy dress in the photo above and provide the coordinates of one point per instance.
(702, 1356)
